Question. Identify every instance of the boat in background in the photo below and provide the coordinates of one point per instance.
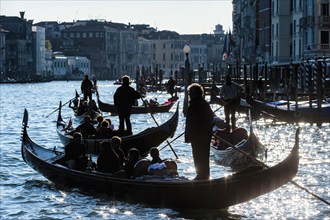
(227, 146)
(143, 141)
(286, 111)
(150, 107)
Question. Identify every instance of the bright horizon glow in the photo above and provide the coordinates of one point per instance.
(184, 17)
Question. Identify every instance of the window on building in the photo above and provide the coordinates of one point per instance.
(276, 51)
(97, 34)
(77, 35)
(90, 35)
(164, 46)
(84, 35)
(324, 9)
(324, 37)
(164, 56)
(276, 29)
(291, 29)
(71, 35)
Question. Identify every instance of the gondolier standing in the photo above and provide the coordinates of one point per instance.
(170, 86)
(86, 88)
(230, 93)
(124, 98)
(198, 130)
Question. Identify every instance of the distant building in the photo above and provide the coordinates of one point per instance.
(3, 71)
(39, 53)
(105, 49)
(70, 67)
(19, 43)
(276, 31)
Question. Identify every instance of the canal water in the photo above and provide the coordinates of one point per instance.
(25, 194)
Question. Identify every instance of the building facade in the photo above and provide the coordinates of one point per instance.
(276, 31)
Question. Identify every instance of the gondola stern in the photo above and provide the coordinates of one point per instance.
(59, 117)
(24, 131)
(296, 144)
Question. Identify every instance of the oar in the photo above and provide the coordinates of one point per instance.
(62, 105)
(159, 94)
(263, 164)
(184, 132)
(158, 126)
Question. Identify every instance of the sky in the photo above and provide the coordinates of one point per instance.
(184, 17)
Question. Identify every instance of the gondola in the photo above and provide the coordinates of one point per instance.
(227, 155)
(93, 113)
(287, 112)
(144, 141)
(177, 193)
(141, 109)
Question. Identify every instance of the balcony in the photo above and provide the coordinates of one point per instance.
(324, 21)
(303, 22)
(325, 47)
(310, 20)
(12, 54)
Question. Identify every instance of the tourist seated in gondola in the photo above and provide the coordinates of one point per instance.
(154, 153)
(110, 123)
(151, 102)
(161, 167)
(133, 158)
(87, 129)
(75, 103)
(99, 122)
(108, 160)
(104, 132)
(83, 108)
(75, 153)
(93, 106)
(116, 146)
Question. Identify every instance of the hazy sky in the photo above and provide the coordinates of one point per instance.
(184, 17)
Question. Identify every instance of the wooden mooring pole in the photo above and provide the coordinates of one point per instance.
(320, 90)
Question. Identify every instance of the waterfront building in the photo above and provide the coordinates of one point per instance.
(3, 72)
(19, 43)
(39, 53)
(276, 31)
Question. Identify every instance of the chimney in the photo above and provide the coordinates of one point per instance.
(22, 14)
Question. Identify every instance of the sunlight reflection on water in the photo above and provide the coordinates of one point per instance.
(22, 188)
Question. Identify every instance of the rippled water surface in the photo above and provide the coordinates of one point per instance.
(25, 194)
